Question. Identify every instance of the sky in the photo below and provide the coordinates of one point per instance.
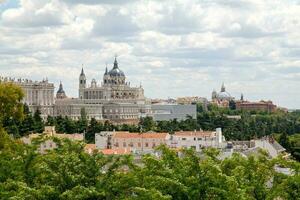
(172, 47)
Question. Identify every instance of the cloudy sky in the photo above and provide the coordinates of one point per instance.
(174, 48)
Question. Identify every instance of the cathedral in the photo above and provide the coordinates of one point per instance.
(221, 98)
(112, 99)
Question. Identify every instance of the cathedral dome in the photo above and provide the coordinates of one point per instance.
(115, 71)
(61, 93)
(224, 95)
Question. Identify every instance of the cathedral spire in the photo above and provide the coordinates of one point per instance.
(223, 87)
(115, 63)
(60, 89)
(106, 71)
(82, 72)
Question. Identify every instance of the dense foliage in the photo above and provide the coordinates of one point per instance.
(69, 173)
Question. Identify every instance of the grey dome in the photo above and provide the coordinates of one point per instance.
(224, 95)
(115, 71)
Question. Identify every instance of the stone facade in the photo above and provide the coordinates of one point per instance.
(38, 94)
(266, 106)
(113, 99)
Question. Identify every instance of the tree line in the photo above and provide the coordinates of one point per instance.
(248, 125)
(69, 173)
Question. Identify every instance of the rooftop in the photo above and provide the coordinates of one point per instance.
(195, 133)
(139, 135)
(125, 151)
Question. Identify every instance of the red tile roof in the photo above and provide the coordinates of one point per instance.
(195, 133)
(115, 151)
(139, 135)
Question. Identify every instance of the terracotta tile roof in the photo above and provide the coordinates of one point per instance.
(139, 135)
(115, 151)
(195, 133)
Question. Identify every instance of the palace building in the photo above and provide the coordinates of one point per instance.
(38, 95)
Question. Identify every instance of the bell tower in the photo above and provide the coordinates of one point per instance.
(82, 84)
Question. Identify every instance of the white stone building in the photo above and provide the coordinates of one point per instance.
(113, 99)
(197, 139)
(38, 94)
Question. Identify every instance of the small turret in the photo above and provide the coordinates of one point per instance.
(223, 88)
(60, 92)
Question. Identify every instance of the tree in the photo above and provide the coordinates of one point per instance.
(38, 122)
(11, 107)
(284, 141)
(147, 124)
(232, 105)
(50, 121)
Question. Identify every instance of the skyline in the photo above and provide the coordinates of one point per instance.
(184, 49)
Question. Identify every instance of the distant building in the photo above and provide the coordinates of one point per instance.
(39, 95)
(221, 98)
(134, 141)
(60, 94)
(197, 139)
(49, 144)
(270, 145)
(146, 142)
(191, 100)
(162, 112)
(266, 106)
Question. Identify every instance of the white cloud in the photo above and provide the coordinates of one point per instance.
(174, 47)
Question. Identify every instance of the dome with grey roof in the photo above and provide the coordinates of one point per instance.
(115, 71)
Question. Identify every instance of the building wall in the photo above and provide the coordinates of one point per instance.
(167, 112)
(38, 94)
(197, 140)
(137, 143)
(267, 106)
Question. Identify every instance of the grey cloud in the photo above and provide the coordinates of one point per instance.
(238, 4)
(250, 31)
(33, 20)
(114, 24)
(80, 44)
(95, 2)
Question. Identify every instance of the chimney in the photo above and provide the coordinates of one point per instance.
(219, 135)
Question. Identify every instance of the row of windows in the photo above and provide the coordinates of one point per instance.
(146, 144)
(199, 139)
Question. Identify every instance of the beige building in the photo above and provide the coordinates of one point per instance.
(38, 94)
(112, 99)
(133, 141)
(191, 100)
(49, 144)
